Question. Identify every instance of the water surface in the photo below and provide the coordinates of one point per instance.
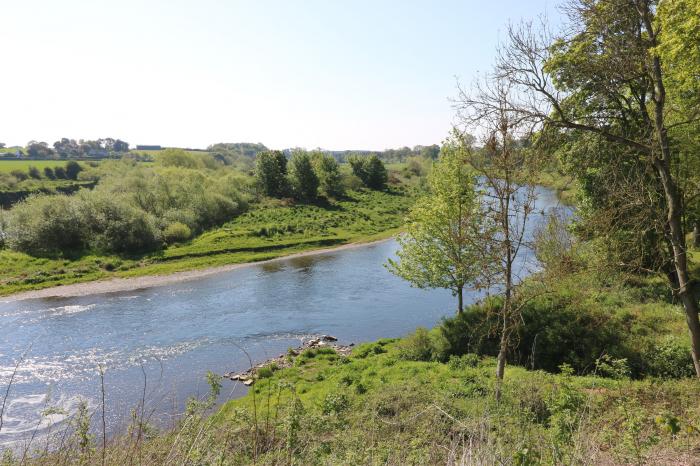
(168, 337)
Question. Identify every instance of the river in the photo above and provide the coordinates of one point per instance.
(167, 338)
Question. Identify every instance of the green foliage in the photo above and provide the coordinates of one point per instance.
(176, 232)
(73, 168)
(44, 223)
(271, 173)
(177, 158)
(370, 170)
(329, 176)
(418, 346)
(669, 358)
(442, 244)
(304, 180)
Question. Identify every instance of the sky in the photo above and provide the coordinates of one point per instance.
(353, 74)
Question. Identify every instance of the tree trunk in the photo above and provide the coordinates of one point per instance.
(460, 298)
(662, 164)
(501, 362)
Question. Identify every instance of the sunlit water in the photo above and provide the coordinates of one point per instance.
(167, 338)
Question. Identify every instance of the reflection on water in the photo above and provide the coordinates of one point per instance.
(169, 337)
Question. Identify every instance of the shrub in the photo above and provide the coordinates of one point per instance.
(43, 224)
(176, 233)
(178, 158)
(555, 331)
(669, 359)
(19, 174)
(335, 403)
(72, 170)
(464, 361)
(34, 173)
(117, 226)
(48, 173)
(418, 346)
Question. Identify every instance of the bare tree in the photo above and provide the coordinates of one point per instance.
(504, 169)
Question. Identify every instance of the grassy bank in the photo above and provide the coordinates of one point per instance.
(270, 229)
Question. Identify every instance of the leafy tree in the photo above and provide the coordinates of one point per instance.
(271, 173)
(328, 172)
(370, 170)
(72, 170)
(441, 247)
(38, 150)
(304, 180)
(607, 78)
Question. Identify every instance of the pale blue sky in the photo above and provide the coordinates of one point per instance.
(353, 74)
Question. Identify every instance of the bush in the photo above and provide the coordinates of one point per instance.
(117, 226)
(418, 346)
(554, 332)
(176, 233)
(34, 173)
(178, 158)
(45, 224)
(48, 173)
(335, 403)
(669, 359)
(464, 361)
(19, 174)
(72, 170)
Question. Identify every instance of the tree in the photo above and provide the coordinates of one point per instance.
(370, 170)
(328, 172)
(606, 77)
(72, 170)
(121, 146)
(505, 171)
(38, 150)
(271, 173)
(2, 145)
(441, 247)
(303, 178)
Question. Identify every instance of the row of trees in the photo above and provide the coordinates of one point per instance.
(616, 99)
(306, 174)
(71, 148)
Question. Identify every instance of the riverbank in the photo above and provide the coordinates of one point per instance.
(271, 229)
(115, 285)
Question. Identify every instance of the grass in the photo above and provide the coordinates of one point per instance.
(7, 166)
(270, 229)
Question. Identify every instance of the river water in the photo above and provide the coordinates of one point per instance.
(167, 338)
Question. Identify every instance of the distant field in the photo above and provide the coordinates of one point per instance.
(9, 165)
(156, 153)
